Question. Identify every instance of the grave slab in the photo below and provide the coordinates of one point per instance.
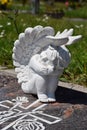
(25, 111)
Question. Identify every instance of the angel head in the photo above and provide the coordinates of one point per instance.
(49, 54)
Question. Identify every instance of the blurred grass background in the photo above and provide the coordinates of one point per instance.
(13, 22)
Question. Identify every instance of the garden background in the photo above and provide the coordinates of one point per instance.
(17, 15)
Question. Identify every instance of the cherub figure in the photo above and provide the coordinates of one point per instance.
(40, 58)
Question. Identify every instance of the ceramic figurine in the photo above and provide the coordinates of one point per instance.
(39, 57)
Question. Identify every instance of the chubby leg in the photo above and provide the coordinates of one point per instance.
(53, 81)
(41, 87)
(29, 86)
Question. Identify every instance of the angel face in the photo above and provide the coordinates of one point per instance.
(43, 56)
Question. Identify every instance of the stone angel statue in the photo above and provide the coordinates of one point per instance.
(39, 57)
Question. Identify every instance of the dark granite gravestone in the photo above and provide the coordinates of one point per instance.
(25, 112)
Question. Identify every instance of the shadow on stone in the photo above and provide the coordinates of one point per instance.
(64, 95)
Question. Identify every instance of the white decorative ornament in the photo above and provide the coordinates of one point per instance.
(40, 58)
(28, 125)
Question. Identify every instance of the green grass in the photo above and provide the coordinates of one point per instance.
(77, 13)
(77, 70)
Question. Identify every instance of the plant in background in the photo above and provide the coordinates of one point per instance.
(12, 18)
(7, 36)
(5, 4)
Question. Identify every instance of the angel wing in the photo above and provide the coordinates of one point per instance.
(29, 43)
(33, 40)
(64, 38)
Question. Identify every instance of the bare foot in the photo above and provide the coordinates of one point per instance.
(51, 98)
(43, 97)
